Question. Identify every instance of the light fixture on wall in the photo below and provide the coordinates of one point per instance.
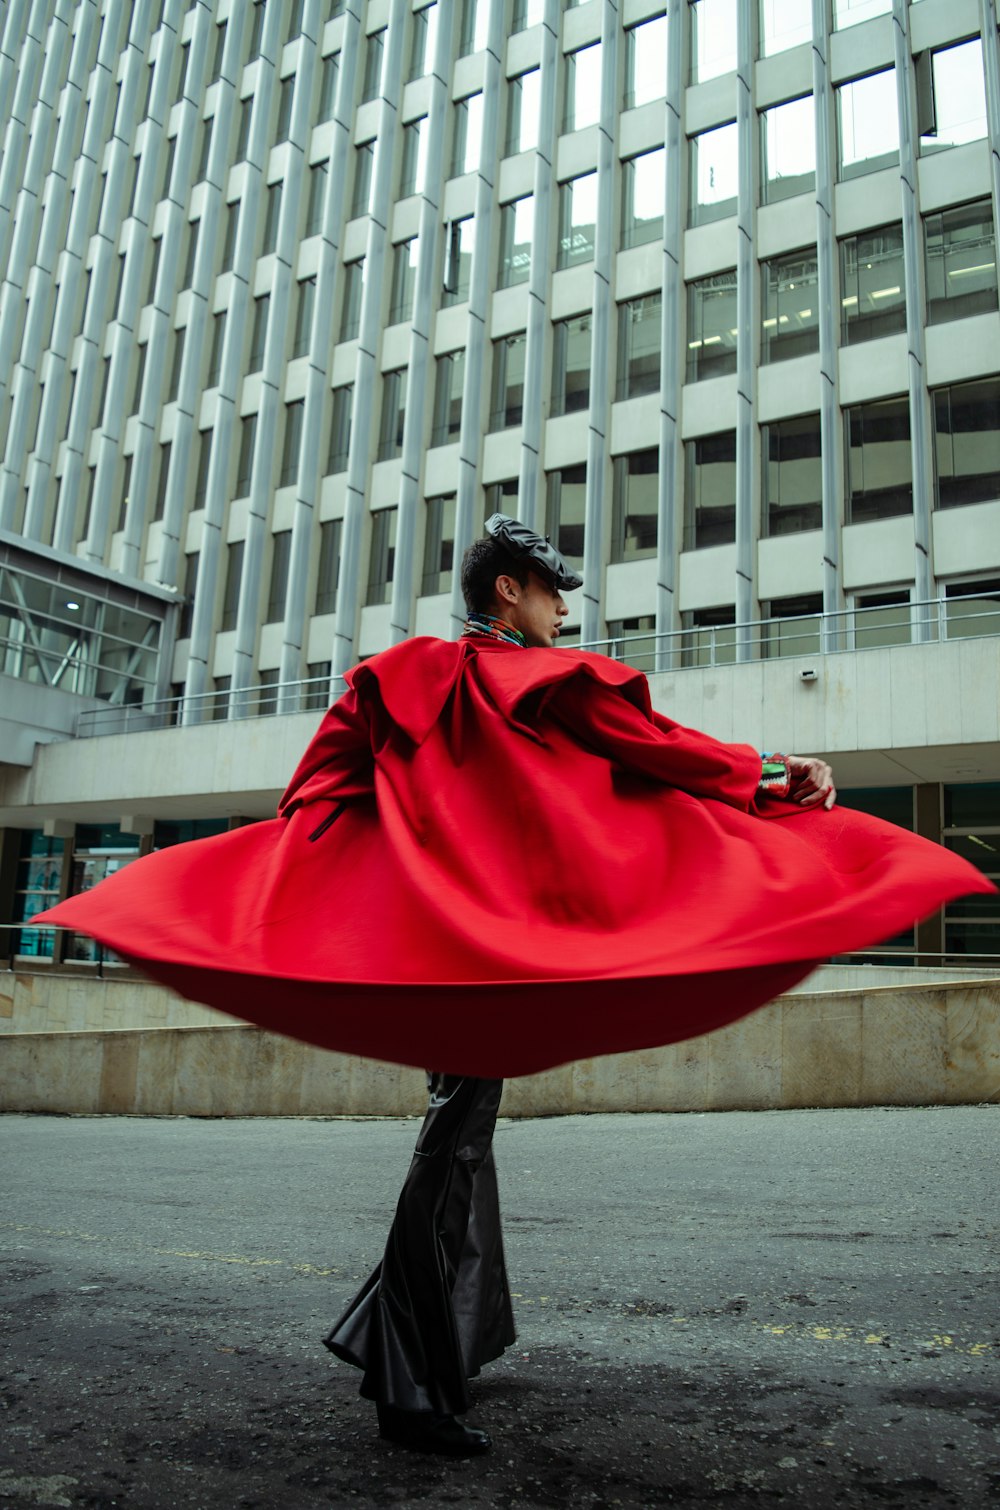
(809, 675)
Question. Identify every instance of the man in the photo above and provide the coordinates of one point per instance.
(494, 859)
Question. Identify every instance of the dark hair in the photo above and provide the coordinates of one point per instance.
(483, 562)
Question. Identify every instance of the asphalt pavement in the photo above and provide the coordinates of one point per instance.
(730, 1310)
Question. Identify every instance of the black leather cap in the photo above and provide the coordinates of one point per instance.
(540, 554)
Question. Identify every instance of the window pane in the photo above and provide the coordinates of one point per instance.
(972, 608)
(565, 512)
(364, 156)
(639, 339)
(516, 227)
(340, 430)
(571, 347)
(577, 220)
(714, 174)
(850, 12)
(439, 546)
(872, 283)
(413, 169)
(459, 247)
(305, 306)
(784, 23)
(793, 477)
(350, 311)
(789, 149)
(961, 262)
(424, 42)
(959, 96)
(710, 494)
(869, 125)
(882, 619)
(393, 414)
(292, 443)
(404, 280)
(967, 442)
(799, 634)
(524, 105)
(280, 557)
(709, 638)
(374, 48)
(234, 576)
(713, 39)
(449, 381)
(711, 326)
(527, 13)
(383, 556)
(646, 63)
(507, 404)
(634, 505)
(879, 479)
(583, 88)
(644, 180)
(329, 566)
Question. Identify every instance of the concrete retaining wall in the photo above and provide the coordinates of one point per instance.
(901, 1046)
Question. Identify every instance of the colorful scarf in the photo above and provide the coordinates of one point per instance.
(492, 628)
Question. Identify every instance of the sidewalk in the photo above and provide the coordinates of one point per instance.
(724, 1309)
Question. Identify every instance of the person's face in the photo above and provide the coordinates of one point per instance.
(536, 609)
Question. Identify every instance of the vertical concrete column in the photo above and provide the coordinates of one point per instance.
(356, 524)
(748, 323)
(670, 483)
(991, 67)
(830, 425)
(599, 416)
(913, 274)
(469, 500)
(530, 501)
(405, 571)
(321, 338)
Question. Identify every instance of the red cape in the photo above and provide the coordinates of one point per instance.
(525, 865)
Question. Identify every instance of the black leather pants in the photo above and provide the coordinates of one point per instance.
(438, 1305)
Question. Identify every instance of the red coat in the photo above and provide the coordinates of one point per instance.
(529, 866)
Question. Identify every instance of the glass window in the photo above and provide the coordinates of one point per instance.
(423, 41)
(286, 98)
(524, 100)
(972, 829)
(126, 490)
(182, 75)
(868, 124)
(328, 87)
(961, 262)
(159, 503)
(713, 39)
(304, 308)
(372, 81)
(383, 556)
(527, 13)
(390, 435)
(793, 476)
(190, 261)
(258, 336)
(232, 213)
(714, 174)
(881, 618)
(219, 706)
(577, 220)
(972, 608)
(710, 491)
(364, 157)
(173, 387)
(571, 342)
(459, 246)
(294, 414)
(281, 555)
(793, 627)
(317, 697)
(583, 88)
(639, 338)
(711, 326)
(295, 21)
(188, 588)
(850, 12)
(256, 30)
(709, 637)
(645, 63)
(501, 497)
(350, 309)
(317, 189)
(959, 97)
(475, 26)
(449, 379)
(467, 144)
(566, 511)
(242, 136)
(328, 573)
(234, 577)
(967, 442)
(339, 450)
(783, 24)
(37, 886)
(634, 505)
(404, 280)
(215, 351)
(413, 168)
(272, 215)
(871, 285)
(204, 154)
(267, 696)
(154, 269)
(439, 546)
(644, 197)
(789, 133)
(790, 296)
(140, 374)
(507, 402)
(244, 465)
(879, 477)
(517, 221)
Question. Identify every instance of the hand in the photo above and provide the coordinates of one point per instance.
(811, 781)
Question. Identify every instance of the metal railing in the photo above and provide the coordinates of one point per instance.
(849, 629)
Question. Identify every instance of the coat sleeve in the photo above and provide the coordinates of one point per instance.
(655, 746)
(338, 763)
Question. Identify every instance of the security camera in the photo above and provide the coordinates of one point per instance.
(808, 676)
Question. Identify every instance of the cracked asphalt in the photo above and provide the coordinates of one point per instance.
(734, 1310)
